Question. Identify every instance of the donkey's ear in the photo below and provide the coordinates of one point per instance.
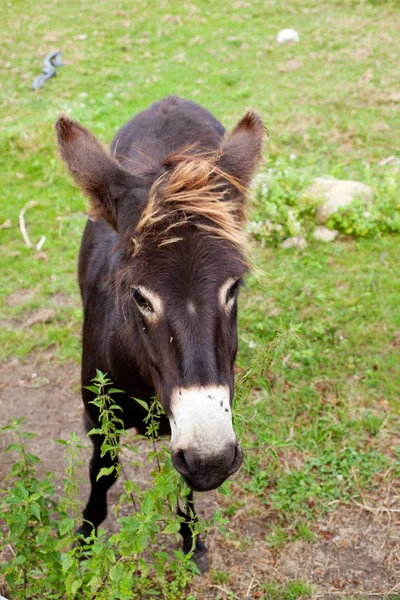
(242, 148)
(97, 173)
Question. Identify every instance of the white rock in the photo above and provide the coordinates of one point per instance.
(297, 241)
(323, 234)
(335, 193)
(287, 35)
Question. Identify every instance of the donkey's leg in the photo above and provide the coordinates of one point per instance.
(96, 508)
(200, 551)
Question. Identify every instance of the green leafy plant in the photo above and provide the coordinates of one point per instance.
(49, 561)
(278, 213)
(369, 220)
(281, 209)
(29, 511)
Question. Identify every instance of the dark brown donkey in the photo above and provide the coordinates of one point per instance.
(160, 266)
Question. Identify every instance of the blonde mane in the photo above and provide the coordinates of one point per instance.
(194, 189)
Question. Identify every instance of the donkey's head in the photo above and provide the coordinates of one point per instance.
(180, 266)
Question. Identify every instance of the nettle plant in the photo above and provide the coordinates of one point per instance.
(281, 209)
(45, 558)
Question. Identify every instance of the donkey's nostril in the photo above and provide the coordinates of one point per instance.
(182, 459)
(180, 463)
(237, 459)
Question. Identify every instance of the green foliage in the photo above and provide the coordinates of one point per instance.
(292, 590)
(332, 475)
(369, 220)
(279, 210)
(49, 561)
(282, 209)
(277, 537)
(29, 509)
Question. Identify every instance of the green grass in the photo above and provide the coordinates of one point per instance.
(293, 590)
(333, 101)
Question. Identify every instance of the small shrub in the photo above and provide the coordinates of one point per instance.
(278, 212)
(382, 216)
(47, 559)
(281, 209)
(29, 513)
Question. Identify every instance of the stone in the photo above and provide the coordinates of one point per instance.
(287, 35)
(323, 234)
(297, 241)
(336, 193)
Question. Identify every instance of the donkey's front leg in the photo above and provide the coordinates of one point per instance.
(200, 552)
(96, 508)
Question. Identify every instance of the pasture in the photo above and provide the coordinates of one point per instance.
(314, 511)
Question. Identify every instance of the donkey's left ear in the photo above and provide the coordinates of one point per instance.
(242, 148)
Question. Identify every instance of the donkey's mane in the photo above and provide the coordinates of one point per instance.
(194, 189)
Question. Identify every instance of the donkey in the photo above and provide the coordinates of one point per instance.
(160, 266)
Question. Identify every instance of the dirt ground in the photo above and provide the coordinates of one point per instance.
(356, 552)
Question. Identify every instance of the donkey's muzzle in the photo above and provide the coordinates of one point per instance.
(207, 473)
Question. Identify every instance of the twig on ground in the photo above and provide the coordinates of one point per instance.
(24, 232)
(227, 592)
(249, 588)
(357, 593)
(394, 589)
(41, 242)
(379, 509)
(22, 224)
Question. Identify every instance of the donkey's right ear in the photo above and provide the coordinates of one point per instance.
(100, 176)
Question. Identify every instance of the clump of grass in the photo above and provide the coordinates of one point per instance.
(292, 590)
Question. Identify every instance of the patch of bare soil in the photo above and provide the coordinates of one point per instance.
(20, 297)
(44, 395)
(356, 551)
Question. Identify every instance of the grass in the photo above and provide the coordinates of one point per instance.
(292, 590)
(332, 101)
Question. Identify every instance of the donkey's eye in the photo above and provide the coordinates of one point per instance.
(142, 302)
(231, 293)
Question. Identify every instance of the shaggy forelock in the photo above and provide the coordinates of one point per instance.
(193, 190)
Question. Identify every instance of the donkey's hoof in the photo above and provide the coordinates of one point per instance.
(200, 558)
